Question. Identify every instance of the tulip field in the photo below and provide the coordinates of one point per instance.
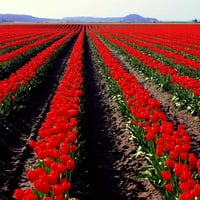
(100, 111)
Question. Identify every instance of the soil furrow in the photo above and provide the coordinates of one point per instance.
(113, 171)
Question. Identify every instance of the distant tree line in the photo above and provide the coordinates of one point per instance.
(195, 20)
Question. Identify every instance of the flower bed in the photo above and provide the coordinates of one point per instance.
(56, 147)
(172, 168)
(184, 92)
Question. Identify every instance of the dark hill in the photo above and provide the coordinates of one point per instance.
(28, 18)
(128, 18)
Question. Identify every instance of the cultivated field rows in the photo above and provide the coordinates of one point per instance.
(100, 111)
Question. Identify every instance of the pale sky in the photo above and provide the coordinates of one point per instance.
(161, 9)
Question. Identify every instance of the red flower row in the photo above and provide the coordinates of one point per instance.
(20, 51)
(175, 56)
(9, 35)
(175, 43)
(27, 71)
(56, 147)
(149, 62)
(20, 31)
(29, 38)
(172, 144)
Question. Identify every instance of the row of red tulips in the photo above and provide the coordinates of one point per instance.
(155, 64)
(25, 73)
(19, 31)
(10, 66)
(8, 37)
(184, 37)
(175, 46)
(147, 60)
(167, 147)
(56, 146)
(20, 51)
(178, 34)
(25, 40)
(10, 33)
(181, 68)
(175, 56)
(191, 50)
(184, 89)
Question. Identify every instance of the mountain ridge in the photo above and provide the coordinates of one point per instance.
(29, 18)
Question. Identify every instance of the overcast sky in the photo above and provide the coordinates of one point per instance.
(161, 9)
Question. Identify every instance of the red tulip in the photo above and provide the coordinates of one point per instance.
(192, 161)
(166, 175)
(170, 163)
(42, 185)
(173, 155)
(57, 189)
(169, 187)
(19, 194)
(70, 164)
(47, 198)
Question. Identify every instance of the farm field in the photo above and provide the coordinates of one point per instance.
(100, 111)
